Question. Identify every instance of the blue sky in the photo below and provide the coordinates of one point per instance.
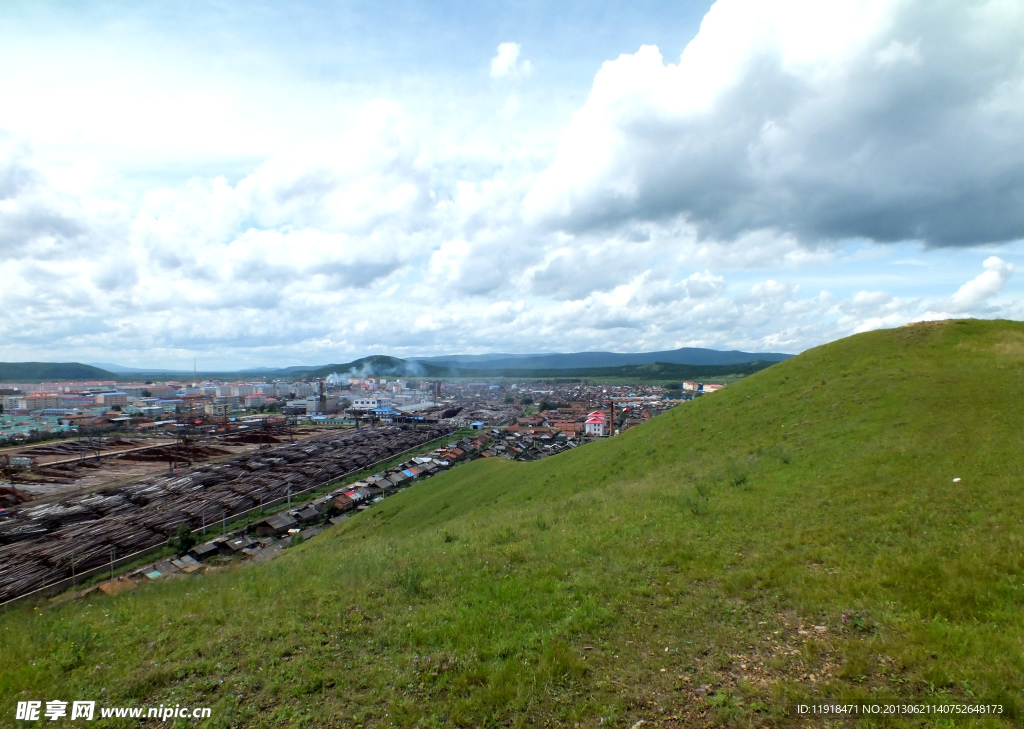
(271, 183)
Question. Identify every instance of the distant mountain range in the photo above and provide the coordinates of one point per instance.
(493, 361)
(684, 356)
(122, 370)
(578, 364)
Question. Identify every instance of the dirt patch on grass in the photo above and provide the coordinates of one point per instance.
(1010, 344)
(751, 687)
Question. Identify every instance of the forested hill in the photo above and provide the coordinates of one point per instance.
(51, 372)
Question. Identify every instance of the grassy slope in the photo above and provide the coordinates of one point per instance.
(666, 572)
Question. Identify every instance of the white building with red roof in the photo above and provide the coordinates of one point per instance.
(596, 424)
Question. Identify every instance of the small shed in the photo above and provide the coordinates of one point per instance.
(363, 493)
(397, 479)
(323, 503)
(232, 547)
(186, 564)
(276, 525)
(203, 551)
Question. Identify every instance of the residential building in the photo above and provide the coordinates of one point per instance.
(109, 399)
(162, 391)
(42, 401)
(596, 424)
(216, 409)
(254, 401)
(13, 402)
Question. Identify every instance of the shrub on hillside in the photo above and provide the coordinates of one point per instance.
(184, 540)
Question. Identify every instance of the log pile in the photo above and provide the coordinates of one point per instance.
(39, 544)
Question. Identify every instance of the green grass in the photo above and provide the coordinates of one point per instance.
(678, 570)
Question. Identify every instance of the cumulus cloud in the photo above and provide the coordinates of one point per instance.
(890, 120)
(867, 310)
(696, 203)
(506, 63)
(981, 288)
(703, 285)
(372, 174)
(35, 217)
(207, 261)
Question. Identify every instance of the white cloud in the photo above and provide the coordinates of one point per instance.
(871, 299)
(372, 174)
(703, 285)
(506, 63)
(976, 292)
(896, 53)
(885, 120)
(695, 203)
(868, 310)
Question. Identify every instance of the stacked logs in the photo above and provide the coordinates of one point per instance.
(42, 544)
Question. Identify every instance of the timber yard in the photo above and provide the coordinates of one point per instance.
(116, 473)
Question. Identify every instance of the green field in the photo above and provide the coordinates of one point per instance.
(797, 538)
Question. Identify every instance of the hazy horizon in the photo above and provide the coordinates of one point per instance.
(490, 355)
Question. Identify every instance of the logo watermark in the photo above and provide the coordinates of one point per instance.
(88, 711)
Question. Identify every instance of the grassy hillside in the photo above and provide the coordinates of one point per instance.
(795, 538)
(51, 371)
